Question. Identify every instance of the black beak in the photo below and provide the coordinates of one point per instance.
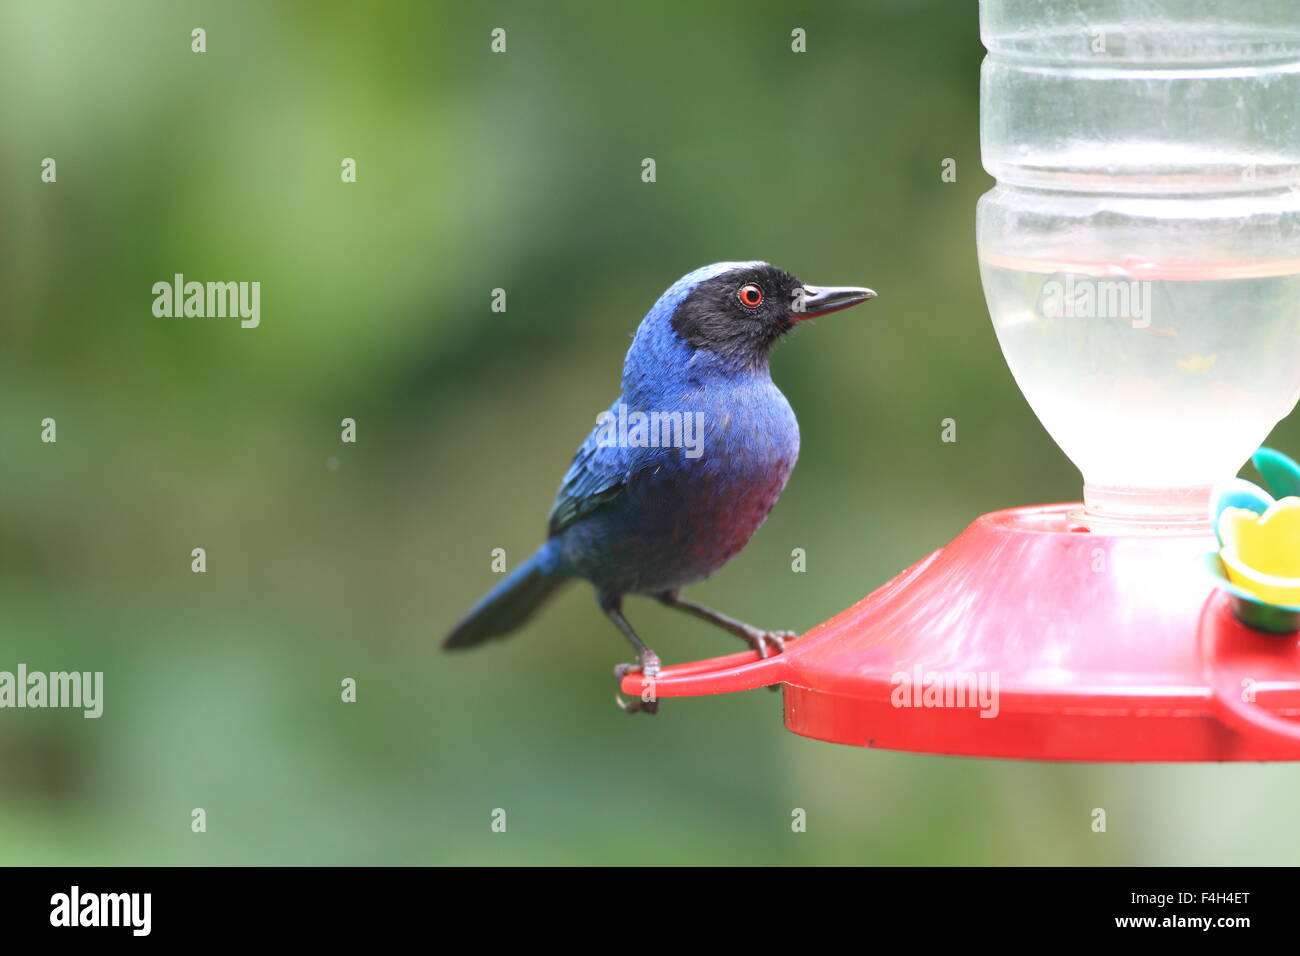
(824, 299)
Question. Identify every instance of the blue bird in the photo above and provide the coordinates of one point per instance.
(684, 467)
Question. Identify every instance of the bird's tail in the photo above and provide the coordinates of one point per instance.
(512, 602)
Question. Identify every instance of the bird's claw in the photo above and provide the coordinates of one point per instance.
(647, 703)
(763, 641)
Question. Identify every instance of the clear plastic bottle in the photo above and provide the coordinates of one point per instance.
(1141, 250)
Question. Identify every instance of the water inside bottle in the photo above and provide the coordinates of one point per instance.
(1158, 379)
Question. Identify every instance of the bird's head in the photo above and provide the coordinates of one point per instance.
(738, 310)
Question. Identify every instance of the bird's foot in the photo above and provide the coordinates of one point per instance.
(647, 703)
(765, 641)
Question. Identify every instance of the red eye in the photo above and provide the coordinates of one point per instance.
(750, 295)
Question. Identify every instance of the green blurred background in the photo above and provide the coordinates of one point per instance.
(478, 171)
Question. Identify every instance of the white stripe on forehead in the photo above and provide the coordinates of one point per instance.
(718, 268)
(679, 290)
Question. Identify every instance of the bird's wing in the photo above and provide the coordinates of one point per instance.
(598, 474)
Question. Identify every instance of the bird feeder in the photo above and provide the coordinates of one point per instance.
(1140, 256)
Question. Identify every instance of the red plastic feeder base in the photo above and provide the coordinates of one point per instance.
(1024, 639)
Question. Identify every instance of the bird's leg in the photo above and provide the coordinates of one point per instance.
(647, 659)
(761, 641)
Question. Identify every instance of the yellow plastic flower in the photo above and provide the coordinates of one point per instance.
(1261, 552)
